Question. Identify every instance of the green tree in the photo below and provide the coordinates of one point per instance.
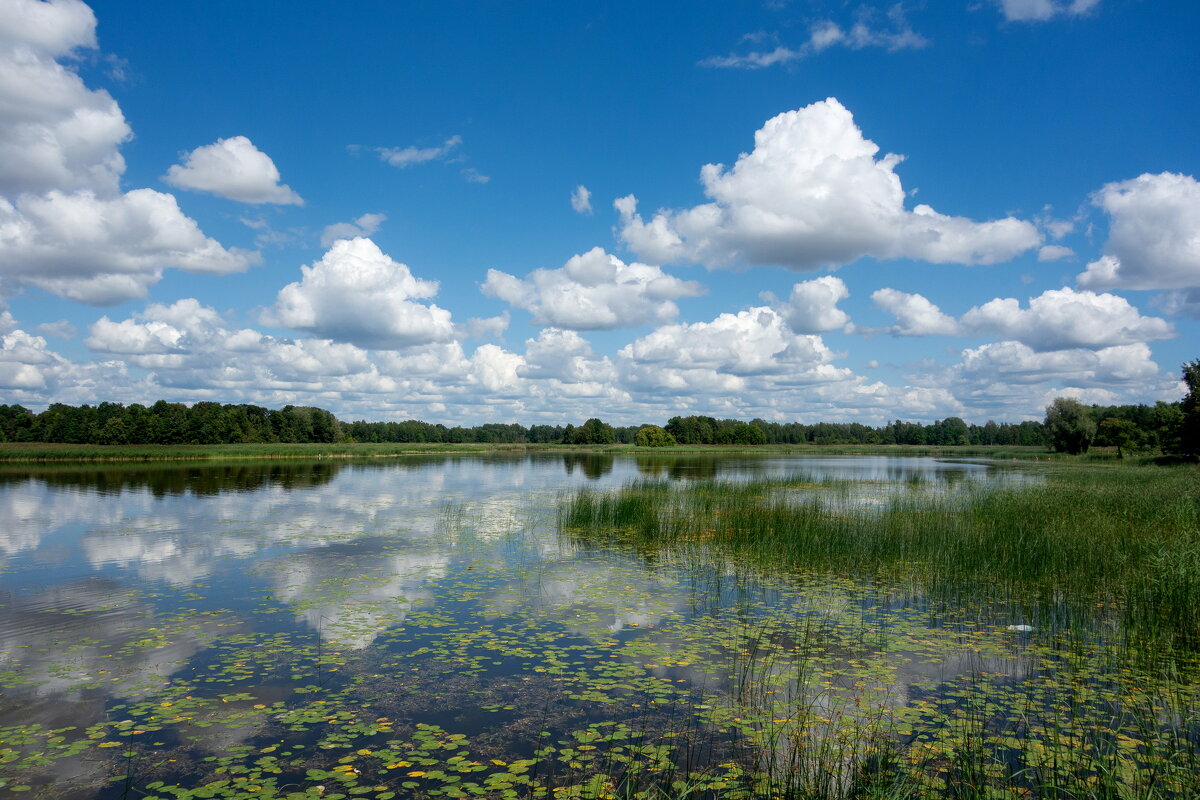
(1190, 406)
(1119, 433)
(594, 431)
(653, 436)
(1069, 426)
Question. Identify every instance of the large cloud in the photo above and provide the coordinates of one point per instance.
(1063, 318)
(104, 249)
(720, 356)
(1154, 237)
(356, 293)
(235, 169)
(64, 225)
(1058, 319)
(1014, 362)
(593, 291)
(55, 133)
(812, 194)
(915, 314)
(812, 306)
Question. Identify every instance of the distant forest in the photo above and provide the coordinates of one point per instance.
(1143, 428)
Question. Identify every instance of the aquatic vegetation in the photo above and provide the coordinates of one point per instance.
(792, 637)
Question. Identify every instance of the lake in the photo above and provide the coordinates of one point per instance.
(426, 626)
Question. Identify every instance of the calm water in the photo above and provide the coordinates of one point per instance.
(267, 627)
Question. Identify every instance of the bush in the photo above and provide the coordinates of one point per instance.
(653, 436)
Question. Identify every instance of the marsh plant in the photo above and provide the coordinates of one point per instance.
(794, 637)
(1074, 605)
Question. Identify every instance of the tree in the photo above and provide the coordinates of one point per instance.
(1190, 406)
(653, 436)
(1069, 426)
(594, 431)
(1119, 433)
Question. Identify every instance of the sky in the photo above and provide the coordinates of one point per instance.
(540, 212)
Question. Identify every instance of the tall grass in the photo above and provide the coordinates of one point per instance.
(1103, 559)
(1088, 535)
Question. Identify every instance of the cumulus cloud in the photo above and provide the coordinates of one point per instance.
(565, 356)
(64, 225)
(813, 194)
(1015, 362)
(1063, 318)
(812, 306)
(235, 169)
(408, 156)
(1154, 234)
(160, 328)
(825, 34)
(1042, 10)
(593, 291)
(358, 294)
(581, 200)
(365, 225)
(915, 315)
(55, 133)
(104, 250)
(720, 356)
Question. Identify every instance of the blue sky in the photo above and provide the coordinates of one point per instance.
(470, 212)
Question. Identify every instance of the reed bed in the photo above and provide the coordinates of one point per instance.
(1097, 568)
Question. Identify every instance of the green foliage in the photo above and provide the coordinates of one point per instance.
(653, 436)
(594, 431)
(1190, 406)
(1119, 433)
(1069, 426)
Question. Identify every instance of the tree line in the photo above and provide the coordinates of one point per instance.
(1070, 426)
(1170, 428)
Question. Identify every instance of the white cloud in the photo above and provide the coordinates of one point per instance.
(1054, 252)
(105, 250)
(1014, 362)
(812, 306)
(358, 294)
(64, 225)
(825, 34)
(488, 327)
(235, 169)
(160, 328)
(496, 369)
(55, 133)
(23, 359)
(756, 341)
(60, 329)
(407, 156)
(565, 356)
(812, 194)
(1041, 10)
(593, 291)
(1154, 235)
(581, 200)
(1063, 318)
(915, 315)
(365, 225)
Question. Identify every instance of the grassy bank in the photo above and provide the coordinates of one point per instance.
(42, 452)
